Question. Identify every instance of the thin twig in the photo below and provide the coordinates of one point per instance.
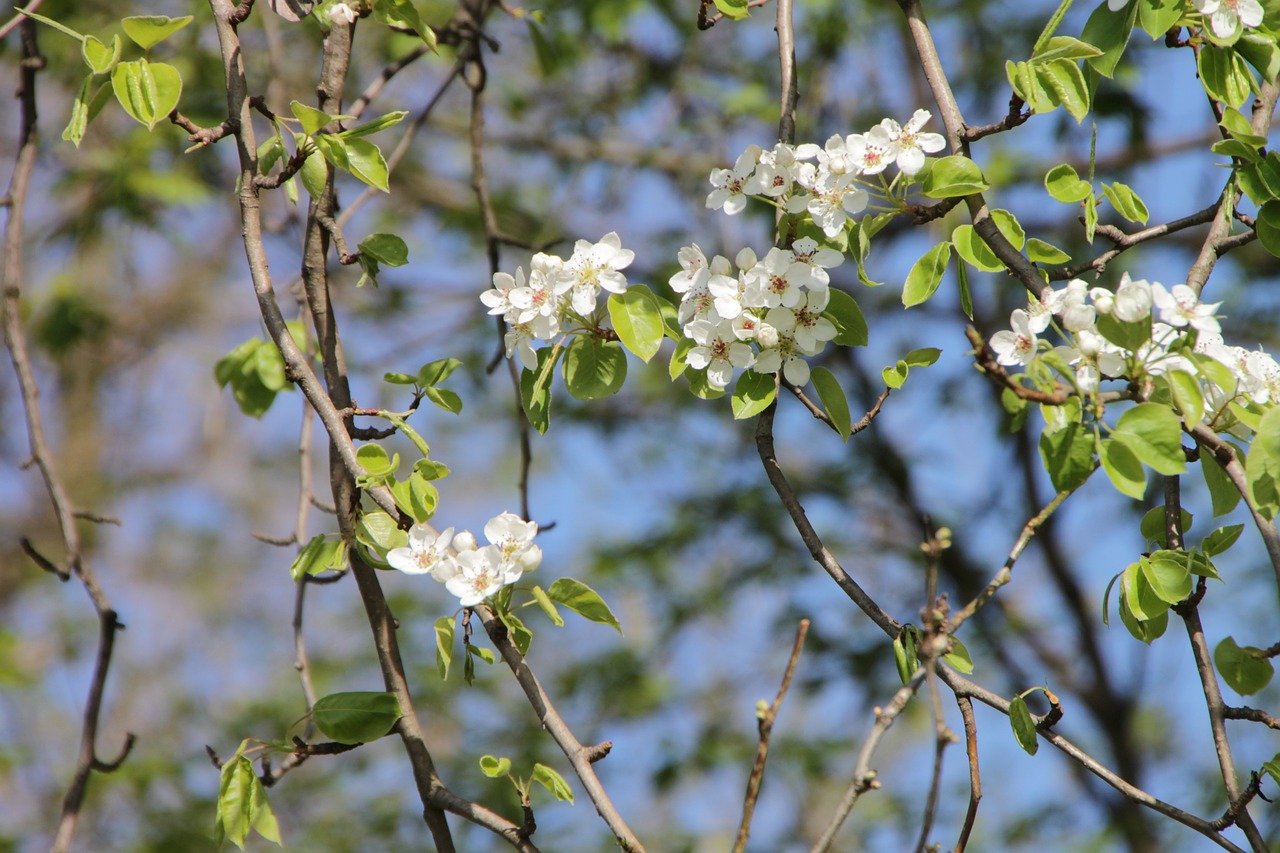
(975, 775)
(766, 718)
(864, 778)
(580, 757)
(819, 552)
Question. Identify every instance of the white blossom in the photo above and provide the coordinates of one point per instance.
(1181, 306)
(1017, 346)
(426, 553)
(911, 145)
(1227, 17)
(718, 350)
(480, 574)
(730, 184)
(342, 14)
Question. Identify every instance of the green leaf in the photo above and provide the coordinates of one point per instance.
(1128, 336)
(535, 388)
(895, 375)
(905, 655)
(959, 658)
(974, 250)
(79, 122)
(1154, 434)
(1222, 491)
(953, 176)
(269, 365)
(402, 14)
(494, 768)
(553, 782)
(321, 554)
(637, 318)
(1261, 181)
(148, 91)
(100, 58)
(966, 295)
(548, 606)
(435, 372)
(1168, 578)
(1064, 47)
(1262, 470)
(584, 601)
(380, 123)
(594, 368)
(373, 458)
(367, 163)
(444, 398)
(1268, 432)
(444, 645)
(1138, 595)
(846, 316)
(521, 636)
(262, 815)
(235, 800)
(1068, 456)
(1224, 75)
(1187, 397)
(1143, 630)
(416, 497)
(1261, 52)
(923, 357)
(1044, 253)
(1272, 768)
(734, 9)
(379, 531)
(1124, 469)
(1158, 16)
(481, 652)
(926, 274)
(752, 394)
(385, 249)
(1109, 32)
(1064, 77)
(1246, 670)
(833, 400)
(1045, 42)
(1152, 525)
(1126, 202)
(357, 717)
(1235, 148)
(1065, 185)
(1221, 539)
(311, 119)
(149, 30)
(1024, 728)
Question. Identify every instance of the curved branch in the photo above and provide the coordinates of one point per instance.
(580, 757)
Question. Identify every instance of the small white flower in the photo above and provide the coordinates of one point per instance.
(815, 262)
(730, 184)
(812, 329)
(1077, 314)
(835, 198)
(874, 150)
(779, 348)
(480, 574)
(1017, 346)
(1182, 307)
(911, 144)
(1133, 300)
(594, 267)
(1228, 17)
(718, 350)
(693, 269)
(426, 553)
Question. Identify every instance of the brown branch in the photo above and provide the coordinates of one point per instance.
(986, 362)
(580, 757)
(824, 558)
(1251, 714)
(864, 778)
(1225, 455)
(1219, 238)
(963, 687)
(766, 718)
(11, 276)
(1014, 118)
(975, 776)
(1122, 241)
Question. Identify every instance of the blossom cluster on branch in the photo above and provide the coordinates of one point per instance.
(468, 570)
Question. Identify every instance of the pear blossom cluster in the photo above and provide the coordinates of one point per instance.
(468, 570)
(1173, 312)
(557, 295)
(824, 182)
(1226, 17)
(759, 313)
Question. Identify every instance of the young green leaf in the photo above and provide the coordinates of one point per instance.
(637, 318)
(356, 717)
(1024, 728)
(846, 316)
(367, 163)
(1065, 185)
(149, 30)
(100, 58)
(954, 176)
(926, 274)
(833, 400)
(385, 249)
(594, 368)
(494, 768)
(1246, 670)
(553, 782)
(444, 629)
(584, 601)
(548, 606)
(148, 91)
(752, 394)
(1154, 434)
(1221, 539)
